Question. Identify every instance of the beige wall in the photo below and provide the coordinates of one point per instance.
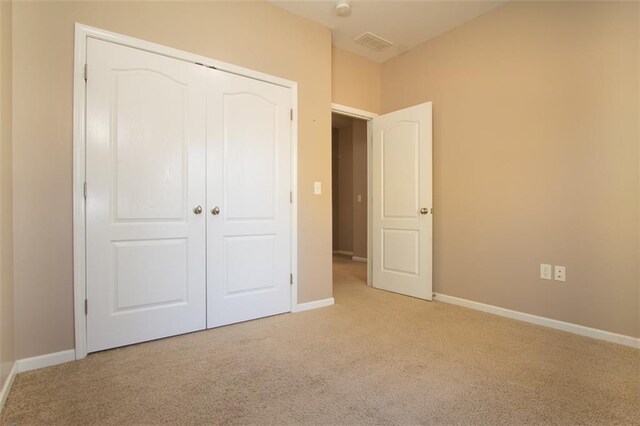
(350, 180)
(359, 188)
(7, 352)
(638, 260)
(254, 35)
(535, 157)
(355, 81)
(535, 149)
(334, 187)
(345, 189)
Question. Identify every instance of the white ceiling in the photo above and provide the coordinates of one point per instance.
(405, 23)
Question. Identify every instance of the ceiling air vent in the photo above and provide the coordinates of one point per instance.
(373, 41)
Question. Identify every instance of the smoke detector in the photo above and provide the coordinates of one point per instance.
(373, 41)
(343, 8)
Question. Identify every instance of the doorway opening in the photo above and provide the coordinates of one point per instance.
(399, 221)
(349, 176)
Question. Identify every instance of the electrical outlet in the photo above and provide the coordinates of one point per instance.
(317, 188)
(545, 271)
(359, 198)
(560, 273)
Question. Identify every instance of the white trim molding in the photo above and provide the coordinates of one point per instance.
(33, 363)
(352, 112)
(359, 259)
(581, 330)
(6, 386)
(343, 252)
(47, 360)
(79, 259)
(301, 307)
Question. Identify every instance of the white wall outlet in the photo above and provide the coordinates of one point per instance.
(545, 271)
(359, 198)
(317, 188)
(560, 273)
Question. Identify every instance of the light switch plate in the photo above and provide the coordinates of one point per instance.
(317, 188)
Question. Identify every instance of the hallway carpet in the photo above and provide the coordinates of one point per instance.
(373, 358)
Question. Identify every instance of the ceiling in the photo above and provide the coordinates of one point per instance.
(405, 23)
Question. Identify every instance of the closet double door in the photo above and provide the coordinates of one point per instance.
(188, 180)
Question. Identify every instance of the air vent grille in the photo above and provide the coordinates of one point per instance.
(373, 41)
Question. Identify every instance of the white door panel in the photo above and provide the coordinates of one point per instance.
(401, 188)
(248, 180)
(145, 171)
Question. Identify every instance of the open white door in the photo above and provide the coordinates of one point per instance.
(402, 201)
(145, 174)
(248, 196)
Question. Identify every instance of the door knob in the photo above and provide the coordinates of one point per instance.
(424, 210)
(197, 209)
(215, 211)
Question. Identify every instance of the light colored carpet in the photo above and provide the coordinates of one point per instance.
(373, 358)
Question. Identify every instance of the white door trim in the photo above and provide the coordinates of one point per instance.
(352, 112)
(82, 33)
(367, 116)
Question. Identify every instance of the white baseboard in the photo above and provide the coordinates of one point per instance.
(301, 307)
(34, 363)
(344, 252)
(47, 360)
(359, 259)
(545, 322)
(6, 386)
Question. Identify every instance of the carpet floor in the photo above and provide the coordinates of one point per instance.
(373, 358)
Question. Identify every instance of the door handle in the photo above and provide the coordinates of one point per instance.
(215, 211)
(424, 210)
(197, 209)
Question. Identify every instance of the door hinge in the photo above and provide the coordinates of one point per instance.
(291, 279)
(84, 190)
(86, 306)
(290, 197)
(85, 72)
(291, 114)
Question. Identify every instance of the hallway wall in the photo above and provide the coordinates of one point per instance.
(350, 182)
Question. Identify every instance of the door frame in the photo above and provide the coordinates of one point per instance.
(367, 116)
(82, 33)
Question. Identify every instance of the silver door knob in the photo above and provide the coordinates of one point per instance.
(424, 210)
(197, 209)
(215, 211)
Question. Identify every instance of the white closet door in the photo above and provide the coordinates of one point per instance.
(248, 211)
(145, 172)
(402, 201)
